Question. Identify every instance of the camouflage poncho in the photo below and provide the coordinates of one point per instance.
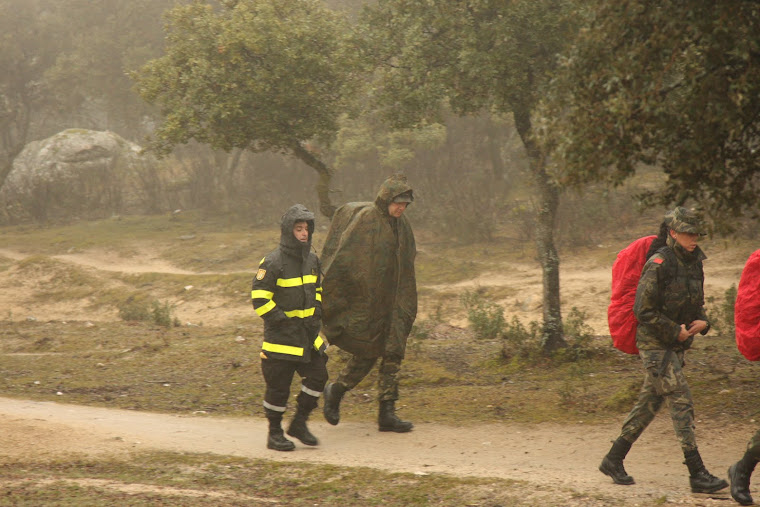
(370, 291)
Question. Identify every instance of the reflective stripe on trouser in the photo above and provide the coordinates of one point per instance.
(358, 367)
(664, 381)
(754, 446)
(278, 374)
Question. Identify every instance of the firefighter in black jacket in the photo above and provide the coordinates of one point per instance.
(287, 294)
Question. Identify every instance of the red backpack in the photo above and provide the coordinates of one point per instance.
(747, 309)
(626, 271)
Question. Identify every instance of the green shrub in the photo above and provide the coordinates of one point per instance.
(135, 308)
(161, 313)
(577, 335)
(141, 308)
(520, 341)
(485, 317)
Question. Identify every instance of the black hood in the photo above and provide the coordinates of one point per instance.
(288, 241)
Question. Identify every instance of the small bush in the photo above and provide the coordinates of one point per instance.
(161, 313)
(577, 335)
(519, 341)
(485, 317)
(136, 308)
(140, 308)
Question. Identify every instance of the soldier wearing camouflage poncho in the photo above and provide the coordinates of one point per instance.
(670, 311)
(370, 295)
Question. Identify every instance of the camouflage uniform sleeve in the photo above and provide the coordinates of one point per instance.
(648, 306)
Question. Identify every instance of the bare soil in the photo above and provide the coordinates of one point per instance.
(563, 458)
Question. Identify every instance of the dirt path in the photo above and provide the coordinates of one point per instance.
(548, 457)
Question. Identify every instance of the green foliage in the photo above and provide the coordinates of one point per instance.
(161, 313)
(139, 307)
(135, 308)
(520, 342)
(477, 56)
(676, 85)
(577, 335)
(485, 317)
(471, 54)
(577, 331)
(260, 75)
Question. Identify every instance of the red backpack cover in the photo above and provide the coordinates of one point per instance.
(747, 309)
(626, 271)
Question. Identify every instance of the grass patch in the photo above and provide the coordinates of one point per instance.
(174, 479)
(447, 376)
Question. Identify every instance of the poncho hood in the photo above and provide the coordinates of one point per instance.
(391, 188)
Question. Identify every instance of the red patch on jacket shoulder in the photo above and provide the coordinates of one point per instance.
(658, 260)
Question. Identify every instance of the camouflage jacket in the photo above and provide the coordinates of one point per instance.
(670, 293)
(286, 293)
(370, 290)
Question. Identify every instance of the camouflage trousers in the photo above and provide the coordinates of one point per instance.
(753, 447)
(358, 367)
(664, 381)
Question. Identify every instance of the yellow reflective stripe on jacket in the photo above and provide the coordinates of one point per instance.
(301, 314)
(289, 282)
(282, 349)
(319, 297)
(261, 310)
(261, 294)
(262, 260)
(295, 282)
(318, 342)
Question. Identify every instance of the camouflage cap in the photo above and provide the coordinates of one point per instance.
(685, 220)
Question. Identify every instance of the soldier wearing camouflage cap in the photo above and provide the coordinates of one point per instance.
(669, 308)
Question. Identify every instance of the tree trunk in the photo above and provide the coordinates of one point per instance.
(325, 175)
(552, 336)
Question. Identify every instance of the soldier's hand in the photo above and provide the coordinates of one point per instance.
(684, 334)
(697, 326)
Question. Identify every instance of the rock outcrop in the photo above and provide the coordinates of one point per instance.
(79, 173)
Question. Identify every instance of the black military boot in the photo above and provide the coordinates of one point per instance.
(333, 394)
(276, 439)
(388, 421)
(612, 463)
(700, 479)
(298, 427)
(739, 474)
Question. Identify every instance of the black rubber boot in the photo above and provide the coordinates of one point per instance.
(388, 421)
(739, 474)
(612, 463)
(700, 479)
(333, 394)
(298, 427)
(276, 439)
